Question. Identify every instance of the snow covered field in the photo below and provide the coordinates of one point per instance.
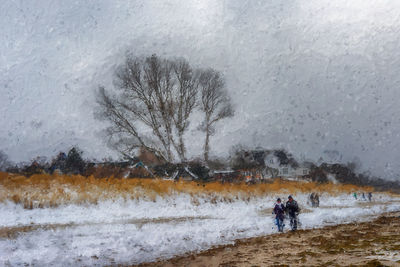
(135, 231)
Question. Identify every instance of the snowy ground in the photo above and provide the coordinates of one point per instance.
(129, 232)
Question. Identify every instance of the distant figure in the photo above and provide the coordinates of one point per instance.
(292, 209)
(316, 200)
(363, 197)
(355, 195)
(370, 196)
(311, 197)
(279, 211)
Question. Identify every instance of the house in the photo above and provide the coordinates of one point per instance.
(272, 161)
(290, 171)
(262, 164)
(279, 164)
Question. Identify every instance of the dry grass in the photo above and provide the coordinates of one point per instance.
(45, 190)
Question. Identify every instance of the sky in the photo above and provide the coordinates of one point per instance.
(319, 78)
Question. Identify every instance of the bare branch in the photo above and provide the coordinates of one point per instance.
(215, 103)
(154, 93)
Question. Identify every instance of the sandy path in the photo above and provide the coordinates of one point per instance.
(375, 243)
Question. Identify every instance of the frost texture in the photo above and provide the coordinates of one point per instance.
(128, 232)
(310, 76)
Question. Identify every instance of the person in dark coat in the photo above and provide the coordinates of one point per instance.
(312, 199)
(279, 211)
(293, 210)
(316, 200)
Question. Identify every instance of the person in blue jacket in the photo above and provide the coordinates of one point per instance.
(279, 211)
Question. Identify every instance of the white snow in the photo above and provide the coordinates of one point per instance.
(134, 231)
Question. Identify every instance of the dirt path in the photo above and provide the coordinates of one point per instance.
(375, 243)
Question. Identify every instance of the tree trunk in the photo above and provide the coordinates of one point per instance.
(169, 154)
(207, 145)
(182, 147)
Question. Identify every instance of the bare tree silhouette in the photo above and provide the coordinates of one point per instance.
(215, 103)
(154, 102)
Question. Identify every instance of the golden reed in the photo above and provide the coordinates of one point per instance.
(44, 190)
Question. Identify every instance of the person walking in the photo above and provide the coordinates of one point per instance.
(370, 196)
(316, 200)
(293, 210)
(312, 199)
(279, 211)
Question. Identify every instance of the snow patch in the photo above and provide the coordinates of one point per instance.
(134, 231)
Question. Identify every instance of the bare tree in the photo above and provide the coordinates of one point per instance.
(185, 101)
(215, 104)
(153, 104)
(152, 109)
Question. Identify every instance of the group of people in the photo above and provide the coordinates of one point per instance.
(291, 208)
(363, 196)
(314, 200)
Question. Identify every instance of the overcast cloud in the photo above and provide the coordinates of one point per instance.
(311, 76)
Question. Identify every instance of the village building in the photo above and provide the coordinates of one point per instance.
(287, 171)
